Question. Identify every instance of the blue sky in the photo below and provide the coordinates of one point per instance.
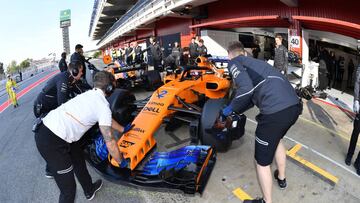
(30, 28)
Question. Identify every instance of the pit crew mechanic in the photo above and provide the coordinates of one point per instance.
(59, 89)
(62, 63)
(258, 83)
(78, 55)
(57, 137)
(356, 129)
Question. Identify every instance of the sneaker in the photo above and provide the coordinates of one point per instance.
(282, 183)
(348, 160)
(257, 200)
(96, 187)
(357, 167)
(48, 174)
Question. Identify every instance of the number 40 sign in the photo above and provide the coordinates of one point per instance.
(295, 41)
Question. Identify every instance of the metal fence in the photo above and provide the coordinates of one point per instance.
(28, 73)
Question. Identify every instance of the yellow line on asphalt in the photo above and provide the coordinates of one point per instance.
(292, 154)
(327, 129)
(239, 193)
(295, 149)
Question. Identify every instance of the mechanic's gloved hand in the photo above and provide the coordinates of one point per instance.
(224, 119)
(227, 111)
(124, 163)
(356, 106)
(128, 127)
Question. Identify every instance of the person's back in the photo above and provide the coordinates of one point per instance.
(76, 57)
(270, 91)
(69, 119)
(256, 82)
(59, 90)
(55, 92)
(176, 52)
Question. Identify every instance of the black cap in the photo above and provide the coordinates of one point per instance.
(78, 46)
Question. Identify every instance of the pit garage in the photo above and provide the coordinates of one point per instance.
(317, 144)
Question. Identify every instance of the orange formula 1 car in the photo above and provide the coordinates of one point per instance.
(135, 74)
(192, 95)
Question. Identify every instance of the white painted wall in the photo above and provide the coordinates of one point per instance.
(217, 41)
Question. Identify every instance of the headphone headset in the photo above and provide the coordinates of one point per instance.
(74, 68)
(109, 89)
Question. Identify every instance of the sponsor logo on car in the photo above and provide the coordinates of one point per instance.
(126, 144)
(156, 103)
(151, 109)
(139, 130)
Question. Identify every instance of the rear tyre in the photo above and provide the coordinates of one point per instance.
(122, 106)
(123, 83)
(221, 142)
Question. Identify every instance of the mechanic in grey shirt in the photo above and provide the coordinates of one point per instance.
(258, 83)
(281, 55)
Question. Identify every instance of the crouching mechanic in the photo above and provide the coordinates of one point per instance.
(59, 89)
(62, 127)
(260, 84)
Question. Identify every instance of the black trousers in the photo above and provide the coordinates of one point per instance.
(354, 139)
(64, 159)
(157, 65)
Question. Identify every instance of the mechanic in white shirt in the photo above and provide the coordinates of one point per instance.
(57, 137)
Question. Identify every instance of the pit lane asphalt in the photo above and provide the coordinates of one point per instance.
(22, 168)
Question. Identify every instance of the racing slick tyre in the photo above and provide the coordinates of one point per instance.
(220, 141)
(123, 83)
(122, 106)
(152, 80)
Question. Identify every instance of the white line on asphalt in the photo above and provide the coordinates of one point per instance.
(316, 152)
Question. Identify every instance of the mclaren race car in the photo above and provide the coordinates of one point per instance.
(134, 74)
(193, 95)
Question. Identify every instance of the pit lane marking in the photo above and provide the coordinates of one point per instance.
(333, 180)
(241, 194)
(316, 152)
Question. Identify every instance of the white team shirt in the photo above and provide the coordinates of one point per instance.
(71, 120)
